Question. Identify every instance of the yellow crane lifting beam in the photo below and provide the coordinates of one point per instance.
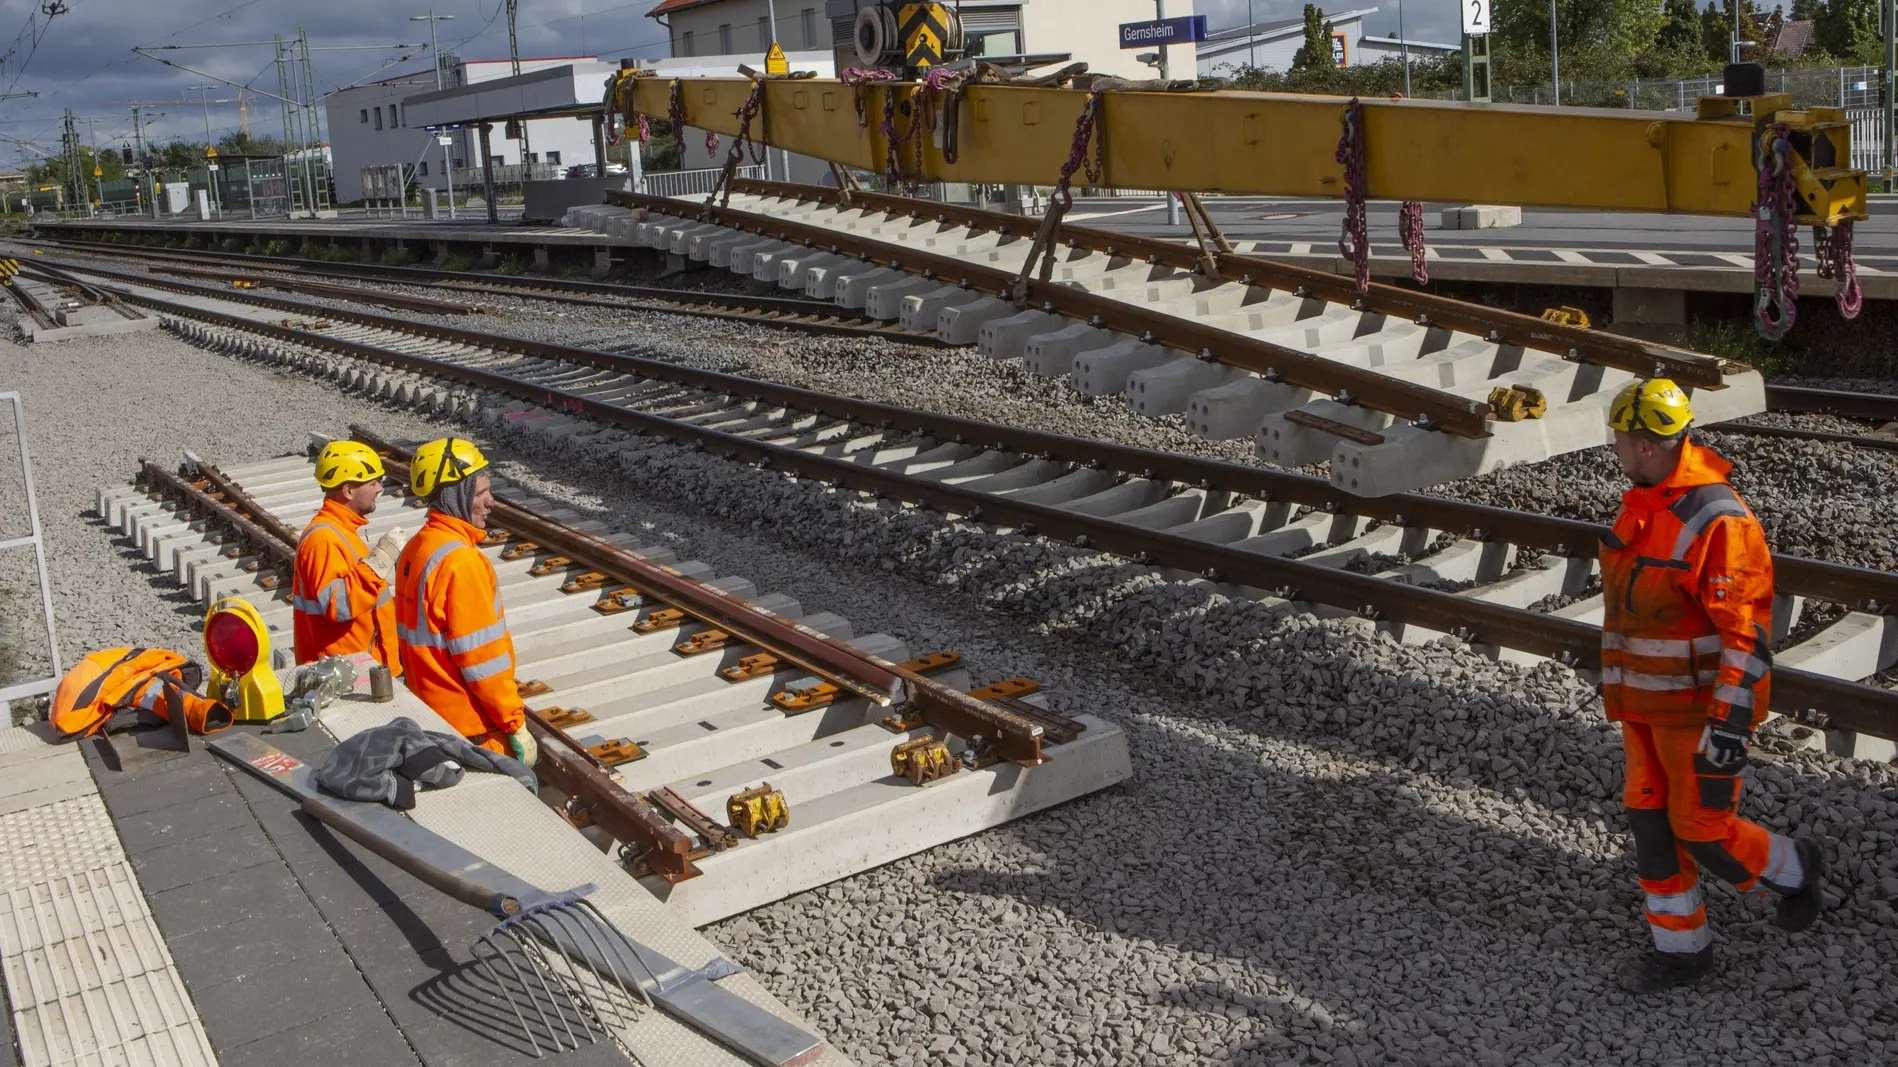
(1284, 145)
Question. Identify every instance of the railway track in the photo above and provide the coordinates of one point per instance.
(808, 316)
(661, 690)
(812, 316)
(1421, 566)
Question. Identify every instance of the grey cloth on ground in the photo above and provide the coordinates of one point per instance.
(456, 499)
(385, 764)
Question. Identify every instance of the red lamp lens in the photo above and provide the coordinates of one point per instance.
(231, 643)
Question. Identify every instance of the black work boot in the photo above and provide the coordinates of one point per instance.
(1799, 909)
(1665, 970)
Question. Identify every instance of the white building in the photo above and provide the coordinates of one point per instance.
(369, 127)
(1271, 45)
(1086, 29)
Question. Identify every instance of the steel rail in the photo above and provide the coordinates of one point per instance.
(1854, 587)
(1504, 327)
(1887, 444)
(30, 304)
(1428, 407)
(621, 813)
(807, 316)
(342, 292)
(1871, 407)
(872, 677)
(1805, 697)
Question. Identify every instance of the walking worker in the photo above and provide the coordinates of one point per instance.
(341, 595)
(1687, 590)
(457, 655)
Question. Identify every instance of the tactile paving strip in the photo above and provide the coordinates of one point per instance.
(68, 837)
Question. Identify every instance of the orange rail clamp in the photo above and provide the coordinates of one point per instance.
(661, 619)
(749, 667)
(580, 583)
(565, 717)
(547, 566)
(533, 688)
(933, 662)
(702, 642)
(1008, 687)
(617, 751)
(809, 698)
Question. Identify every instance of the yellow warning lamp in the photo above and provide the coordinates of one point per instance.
(238, 647)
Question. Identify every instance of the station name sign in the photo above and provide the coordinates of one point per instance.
(1181, 30)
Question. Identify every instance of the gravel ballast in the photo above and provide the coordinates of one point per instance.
(1336, 849)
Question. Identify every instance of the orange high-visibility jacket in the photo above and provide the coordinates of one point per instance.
(1687, 588)
(457, 655)
(340, 604)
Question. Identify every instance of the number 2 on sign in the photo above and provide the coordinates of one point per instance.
(1476, 17)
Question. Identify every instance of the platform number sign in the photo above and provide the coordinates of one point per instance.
(1475, 17)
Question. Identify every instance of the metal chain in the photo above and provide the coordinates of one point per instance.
(645, 130)
(752, 108)
(1354, 240)
(856, 79)
(1775, 240)
(1410, 226)
(1833, 247)
(1087, 130)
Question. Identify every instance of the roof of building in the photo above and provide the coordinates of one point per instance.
(667, 7)
(1264, 31)
(1793, 39)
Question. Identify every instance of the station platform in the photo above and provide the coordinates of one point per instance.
(180, 911)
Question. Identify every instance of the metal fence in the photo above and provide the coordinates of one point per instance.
(511, 174)
(693, 182)
(1847, 87)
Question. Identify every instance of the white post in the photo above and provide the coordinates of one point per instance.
(1172, 202)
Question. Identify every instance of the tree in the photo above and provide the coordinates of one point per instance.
(1315, 53)
(1848, 30)
(1681, 31)
(1716, 33)
(1804, 10)
(243, 144)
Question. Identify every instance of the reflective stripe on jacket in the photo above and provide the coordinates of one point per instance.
(457, 654)
(1687, 592)
(340, 604)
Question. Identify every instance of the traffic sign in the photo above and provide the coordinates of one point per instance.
(1475, 17)
(774, 61)
(210, 152)
(97, 173)
(1182, 30)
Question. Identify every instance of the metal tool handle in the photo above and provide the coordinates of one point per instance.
(466, 890)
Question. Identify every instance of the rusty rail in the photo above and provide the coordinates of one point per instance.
(405, 301)
(1405, 400)
(1810, 698)
(874, 678)
(627, 817)
(1506, 327)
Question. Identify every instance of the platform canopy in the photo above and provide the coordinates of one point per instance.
(571, 90)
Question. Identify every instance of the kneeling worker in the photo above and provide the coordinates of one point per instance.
(457, 655)
(341, 594)
(1687, 662)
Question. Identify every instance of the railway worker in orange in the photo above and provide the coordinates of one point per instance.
(457, 654)
(341, 595)
(1687, 589)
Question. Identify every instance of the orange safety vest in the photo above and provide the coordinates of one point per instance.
(1687, 592)
(457, 654)
(340, 605)
(152, 680)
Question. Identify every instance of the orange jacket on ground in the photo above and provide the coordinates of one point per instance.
(1687, 590)
(457, 655)
(341, 604)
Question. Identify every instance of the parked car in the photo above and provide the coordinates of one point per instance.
(589, 170)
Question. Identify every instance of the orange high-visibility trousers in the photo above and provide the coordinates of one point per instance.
(1684, 815)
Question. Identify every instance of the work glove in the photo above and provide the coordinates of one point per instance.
(520, 745)
(381, 558)
(1724, 748)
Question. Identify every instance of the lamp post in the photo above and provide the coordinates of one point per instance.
(210, 171)
(1403, 44)
(448, 166)
(1555, 56)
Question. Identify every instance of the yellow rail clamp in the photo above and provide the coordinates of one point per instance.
(759, 810)
(533, 688)
(1514, 403)
(662, 619)
(1566, 316)
(614, 601)
(565, 717)
(516, 550)
(935, 661)
(617, 751)
(547, 566)
(243, 283)
(702, 642)
(497, 536)
(752, 667)
(580, 583)
(922, 759)
(809, 698)
(1008, 687)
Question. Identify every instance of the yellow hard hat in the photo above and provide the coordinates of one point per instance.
(1656, 405)
(342, 462)
(443, 462)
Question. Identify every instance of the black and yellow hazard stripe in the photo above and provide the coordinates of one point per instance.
(8, 268)
(924, 31)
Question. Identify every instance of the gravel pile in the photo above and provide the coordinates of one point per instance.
(1338, 848)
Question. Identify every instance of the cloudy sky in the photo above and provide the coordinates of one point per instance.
(81, 58)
